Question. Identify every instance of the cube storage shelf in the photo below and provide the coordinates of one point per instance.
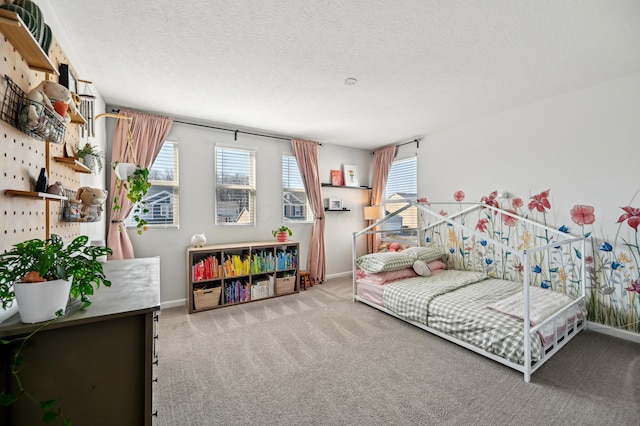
(232, 274)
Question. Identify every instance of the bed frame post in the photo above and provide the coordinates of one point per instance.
(527, 319)
(353, 265)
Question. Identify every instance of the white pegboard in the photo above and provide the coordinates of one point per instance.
(22, 157)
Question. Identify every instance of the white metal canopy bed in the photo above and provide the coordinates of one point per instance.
(485, 278)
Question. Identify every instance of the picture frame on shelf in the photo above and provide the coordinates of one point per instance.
(67, 79)
(350, 175)
(335, 204)
(337, 178)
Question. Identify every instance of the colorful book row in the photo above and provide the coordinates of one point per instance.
(287, 259)
(206, 269)
(238, 291)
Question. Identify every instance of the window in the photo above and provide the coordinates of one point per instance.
(402, 185)
(235, 186)
(294, 197)
(163, 195)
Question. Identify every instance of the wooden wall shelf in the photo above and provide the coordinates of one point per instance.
(77, 119)
(328, 185)
(326, 209)
(14, 28)
(73, 163)
(33, 194)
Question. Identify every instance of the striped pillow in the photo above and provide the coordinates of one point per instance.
(384, 262)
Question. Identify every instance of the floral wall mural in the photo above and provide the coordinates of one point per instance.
(612, 264)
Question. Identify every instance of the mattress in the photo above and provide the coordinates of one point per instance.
(457, 303)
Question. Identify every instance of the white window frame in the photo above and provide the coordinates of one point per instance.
(408, 192)
(250, 187)
(175, 184)
(287, 189)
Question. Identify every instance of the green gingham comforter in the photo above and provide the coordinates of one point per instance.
(455, 303)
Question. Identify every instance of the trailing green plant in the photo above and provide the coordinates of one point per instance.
(91, 156)
(283, 228)
(51, 410)
(46, 260)
(136, 185)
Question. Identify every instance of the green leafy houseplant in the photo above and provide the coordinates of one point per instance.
(50, 259)
(41, 261)
(283, 229)
(91, 157)
(136, 184)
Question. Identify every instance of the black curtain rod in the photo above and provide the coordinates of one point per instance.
(235, 131)
(416, 141)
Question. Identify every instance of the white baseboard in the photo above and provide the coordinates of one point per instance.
(173, 304)
(339, 275)
(615, 332)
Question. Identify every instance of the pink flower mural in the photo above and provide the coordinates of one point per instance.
(482, 225)
(490, 199)
(509, 220)
(631, 215)
(516, 203)
(540, 202)
(583, 215)
(458, 196)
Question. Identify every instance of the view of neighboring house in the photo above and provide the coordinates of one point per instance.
(295, 206)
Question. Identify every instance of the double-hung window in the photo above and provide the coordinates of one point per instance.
(402, 185)
(294, 197)
(235, 186)
(162, 199)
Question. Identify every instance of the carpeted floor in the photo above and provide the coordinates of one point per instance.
(317, 358)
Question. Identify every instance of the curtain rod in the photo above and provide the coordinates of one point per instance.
(416, 141)
(235, 131)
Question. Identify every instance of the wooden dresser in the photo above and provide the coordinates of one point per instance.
(99, 362)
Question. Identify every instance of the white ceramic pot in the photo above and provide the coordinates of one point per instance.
(39, 302)
(124, 170)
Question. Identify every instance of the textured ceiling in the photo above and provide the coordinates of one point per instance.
(279, 66)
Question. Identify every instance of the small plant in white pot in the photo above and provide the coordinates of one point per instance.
(91, 157)
(46, 275)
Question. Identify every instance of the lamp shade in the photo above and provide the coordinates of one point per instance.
(373, 212)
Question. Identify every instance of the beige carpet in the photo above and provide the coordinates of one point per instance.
(317, 358)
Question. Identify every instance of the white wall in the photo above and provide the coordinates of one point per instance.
(584, 146)
(197, 195)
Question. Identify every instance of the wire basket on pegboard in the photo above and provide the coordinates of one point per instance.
(29, 116)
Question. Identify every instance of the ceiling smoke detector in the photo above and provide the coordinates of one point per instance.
(350, 81)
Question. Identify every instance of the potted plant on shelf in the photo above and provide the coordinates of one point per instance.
(91, 157)
(282, 234)
(46, 275)
(135, 179)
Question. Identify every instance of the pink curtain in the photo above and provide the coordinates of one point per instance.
(148, 133)
(307, 157)
(383, 159)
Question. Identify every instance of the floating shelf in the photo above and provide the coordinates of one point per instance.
(344, 186)
(327, 209)
(73, 163)
(77, 119)
(14, 28)
(33, 194)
